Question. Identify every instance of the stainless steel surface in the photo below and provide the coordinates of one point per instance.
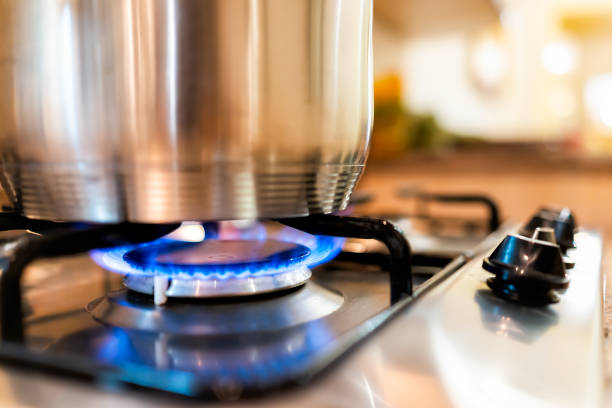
(157, 111)
(194, 287)
(340, 299)
(456, 346)
(213, 339)
(194, 318)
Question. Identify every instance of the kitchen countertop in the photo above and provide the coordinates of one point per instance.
(519, 182)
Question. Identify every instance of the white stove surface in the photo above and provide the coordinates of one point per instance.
(456, 346)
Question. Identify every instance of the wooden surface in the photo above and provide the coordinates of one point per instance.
(516, 179)
(520, 182)
(426, 17)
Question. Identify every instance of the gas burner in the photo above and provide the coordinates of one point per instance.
(235, 262)
(187, 346)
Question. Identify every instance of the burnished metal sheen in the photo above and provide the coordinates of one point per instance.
(196, 287)
(309, 303)
(166, 110)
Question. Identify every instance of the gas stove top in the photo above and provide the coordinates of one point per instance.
(245, 311)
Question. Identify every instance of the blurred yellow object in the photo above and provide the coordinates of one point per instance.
(387, 89)
(587, 22)
(388, 139)
(597, 143)
(396, 129)
(390, 120)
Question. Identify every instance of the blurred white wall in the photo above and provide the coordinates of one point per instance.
(521, 77)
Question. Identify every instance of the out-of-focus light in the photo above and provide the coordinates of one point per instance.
(558, 58)
(188, 232)
(562, 101)
(243, 224)
(512, 19)
(490, 62)
(598, 98)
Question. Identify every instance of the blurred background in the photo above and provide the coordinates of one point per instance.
(519, 71)
(512, 98)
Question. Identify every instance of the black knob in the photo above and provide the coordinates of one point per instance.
(526, 270)
(561, 213)
(548, 235)
(562, 221)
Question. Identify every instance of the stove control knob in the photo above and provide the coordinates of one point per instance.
(527, 270)
(564, 214)
(548, 235)
(561, 221)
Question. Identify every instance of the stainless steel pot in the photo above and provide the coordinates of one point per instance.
(168, 110)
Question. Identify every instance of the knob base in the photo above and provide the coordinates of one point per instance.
(523, 294)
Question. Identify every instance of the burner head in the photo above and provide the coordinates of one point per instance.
(231, 264)
(527, 270)
(213, 268)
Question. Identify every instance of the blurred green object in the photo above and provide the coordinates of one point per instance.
(397, 130)
(425, 133)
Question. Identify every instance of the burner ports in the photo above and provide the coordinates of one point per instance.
(216, 268)
(527, 271)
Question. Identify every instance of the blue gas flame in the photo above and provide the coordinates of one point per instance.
(322, 249)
